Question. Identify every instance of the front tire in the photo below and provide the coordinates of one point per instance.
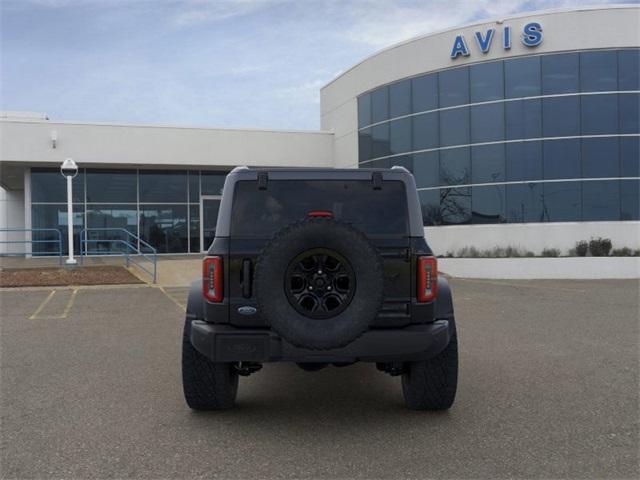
(432, 384)
(207, 385)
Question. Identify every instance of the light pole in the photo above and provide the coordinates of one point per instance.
(69, 170)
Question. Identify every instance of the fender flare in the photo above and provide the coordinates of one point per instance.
(195, 302)
(444, 300)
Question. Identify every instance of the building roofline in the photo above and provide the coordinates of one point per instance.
(168, 126)
(514, 16)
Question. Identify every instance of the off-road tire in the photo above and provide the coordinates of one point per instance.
(306, 235)
(432, 384)
(207, 385)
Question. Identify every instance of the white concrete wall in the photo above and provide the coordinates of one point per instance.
(112, 145)
(579, 268)
(530, 236)
(11, 216)
(576, 29)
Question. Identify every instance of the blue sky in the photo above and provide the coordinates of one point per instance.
(228, 63)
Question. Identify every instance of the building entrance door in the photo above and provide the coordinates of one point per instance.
(209, 207)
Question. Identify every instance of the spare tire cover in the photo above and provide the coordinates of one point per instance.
(319, 283)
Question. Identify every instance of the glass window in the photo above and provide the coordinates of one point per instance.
(561, 159)
(380, 138)
(487, 81)
(163, 186)
(455, 166)
(212, 182)
(400, 135)
(112, 186)
(454, 127)
(405, 161)
(114, 218)
(629, 69)
(630, 156)
(630, 200)
(55, 216)
(364, 110)
(524, 161)
(523, 119)
(524, 203)
(560, 73)
(365, 145)
(487, 122)
(487, 164)
(383, 163)
(455, 205)
(599, 71)
(426, 169)
(210, 210)
(264, 212)
(522, 77)
(165, 227)
(600, 157)
(400, 98)
(430, 202)
(488, 204)
(599, 114)
(424, 93)
(561, 116)
(48, 185)
(562, 201)
(194, 186)
(454, 87)
(194, 228)
(380, 105)
(629, 112)
(601, 200)
(425, 131)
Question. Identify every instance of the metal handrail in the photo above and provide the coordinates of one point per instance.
(151, 257)
(31, 241)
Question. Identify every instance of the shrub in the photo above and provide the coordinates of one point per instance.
(600, 247)
(529, 254)
(550, 252)
(622, 252)
(581, 248)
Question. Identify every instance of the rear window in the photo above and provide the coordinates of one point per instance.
(261, 213)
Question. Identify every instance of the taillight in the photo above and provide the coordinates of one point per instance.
(212, 279)
(427, 279)
(320, 213)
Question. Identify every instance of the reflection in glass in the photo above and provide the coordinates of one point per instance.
(629, 195)
(601, 200)
(424, 93)
(599, 71)
(560, 73)
(600, 157)
(629, 112)
(562, 201)
(380, 137)
(523, 119)
(112, 186)
(425, 131)
(454, 127)
(400, 98)
(426, 169)
(194, 228)
(561, 159)
(455, 205)
(405, 161)
(561, 116)
(163, 186)
(487, 123)
(455, 166)
(365, 145)
(210, 211)
(194, 186)
(524, 203)
(630, 156)
(164, 227)
(629, 69)
(364, 110)
(430, 202)
(400, 135)
(522, 77)
(487, 164)
(599, 114)
(524, 161)
(488, 204)
(380, 105)
(55, 216)
(454, 87)
(113, 217)
(487, 81)
(48, 185)
(212, 182)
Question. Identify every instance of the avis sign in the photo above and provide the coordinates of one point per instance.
(531, 37)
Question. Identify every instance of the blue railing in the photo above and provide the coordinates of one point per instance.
(131, 250)
(57, 241)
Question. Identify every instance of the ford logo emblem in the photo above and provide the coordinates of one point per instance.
(247, 310)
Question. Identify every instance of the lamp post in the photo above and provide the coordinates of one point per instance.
(69, 170)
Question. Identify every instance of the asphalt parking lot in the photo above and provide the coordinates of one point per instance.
(548, 388)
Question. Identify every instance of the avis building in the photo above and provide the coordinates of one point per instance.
(519, 131)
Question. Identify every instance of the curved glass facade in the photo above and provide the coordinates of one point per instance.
(544, 138)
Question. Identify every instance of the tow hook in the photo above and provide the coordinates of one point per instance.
(245, 369)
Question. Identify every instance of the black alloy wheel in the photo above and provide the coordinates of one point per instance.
(320, 283)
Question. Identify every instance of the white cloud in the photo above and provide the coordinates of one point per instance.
(210, 11)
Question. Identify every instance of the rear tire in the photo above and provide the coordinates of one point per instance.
(432, 384)
(207, 385)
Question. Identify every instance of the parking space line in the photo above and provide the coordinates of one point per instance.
(182, 307)
(42, 305)
(69, 304)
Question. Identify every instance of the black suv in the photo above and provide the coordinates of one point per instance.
(319, 267)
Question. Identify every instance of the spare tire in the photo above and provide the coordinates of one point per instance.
(319, 283)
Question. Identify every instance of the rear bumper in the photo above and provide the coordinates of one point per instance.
(223, 343)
